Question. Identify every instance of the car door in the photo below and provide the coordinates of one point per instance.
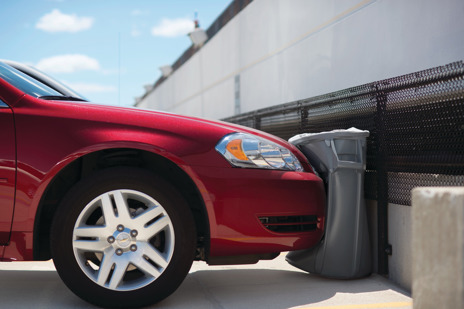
(7, 171)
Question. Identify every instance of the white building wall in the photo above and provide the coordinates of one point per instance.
(288, 50)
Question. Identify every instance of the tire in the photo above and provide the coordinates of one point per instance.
(123, 238)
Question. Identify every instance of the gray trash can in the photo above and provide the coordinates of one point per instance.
(339, 159)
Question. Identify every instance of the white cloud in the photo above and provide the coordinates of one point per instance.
(55, 21)
(91, 88)
(68, 64)
(173, 27)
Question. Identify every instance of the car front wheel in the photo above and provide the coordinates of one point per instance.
(123, 238)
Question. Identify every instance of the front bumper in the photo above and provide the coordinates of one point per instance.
(255, 211)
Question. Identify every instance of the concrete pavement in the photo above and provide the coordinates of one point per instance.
(269, 284)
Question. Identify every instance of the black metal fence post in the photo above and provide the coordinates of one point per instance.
(382, 181)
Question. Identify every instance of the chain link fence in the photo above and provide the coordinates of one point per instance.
(416, 123)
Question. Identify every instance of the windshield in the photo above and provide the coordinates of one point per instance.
(44, 79)
(36, 83)
(25, 83)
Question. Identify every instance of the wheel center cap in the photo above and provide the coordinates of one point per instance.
(123, 240)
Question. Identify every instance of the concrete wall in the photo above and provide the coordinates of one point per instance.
(399, 236)
(289, 50)
(419, 236)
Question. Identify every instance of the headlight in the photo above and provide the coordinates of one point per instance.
(246, 150)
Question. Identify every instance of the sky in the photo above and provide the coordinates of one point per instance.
(106, 50)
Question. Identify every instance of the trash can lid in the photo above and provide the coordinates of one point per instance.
(348, 133)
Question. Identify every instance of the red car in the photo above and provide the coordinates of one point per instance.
(123, 200)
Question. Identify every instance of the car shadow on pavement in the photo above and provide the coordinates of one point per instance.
(212, 288)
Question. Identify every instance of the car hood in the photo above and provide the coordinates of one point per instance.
(137, 114)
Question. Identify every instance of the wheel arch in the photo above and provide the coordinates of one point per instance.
(89, 163)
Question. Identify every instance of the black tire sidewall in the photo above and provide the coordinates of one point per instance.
(113, 179)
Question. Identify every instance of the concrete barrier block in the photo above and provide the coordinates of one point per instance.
(438, 247)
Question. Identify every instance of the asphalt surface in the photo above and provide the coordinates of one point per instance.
(269, 284)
